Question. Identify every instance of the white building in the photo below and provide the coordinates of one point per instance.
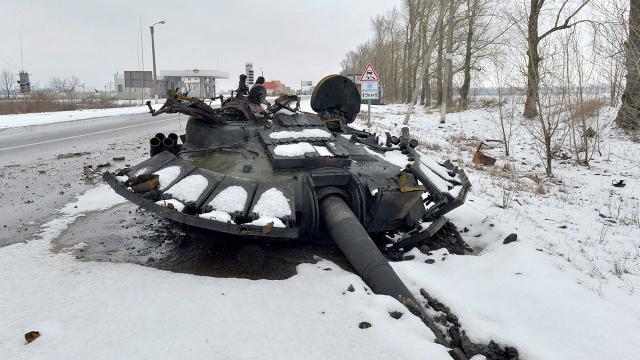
(196, 82)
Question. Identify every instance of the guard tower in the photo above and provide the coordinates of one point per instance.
(25, 84)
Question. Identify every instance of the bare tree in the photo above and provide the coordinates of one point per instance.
(7, 81)
(628, 115)
(553, 111)
(426, 57)
(66, 86)
(533, 41)
(506, 116)
(401, 40)
(611, 34)
(483, 39)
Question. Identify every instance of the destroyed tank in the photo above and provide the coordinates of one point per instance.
(272, 172)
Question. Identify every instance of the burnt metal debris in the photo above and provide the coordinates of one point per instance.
(273, 172)
(481, 158)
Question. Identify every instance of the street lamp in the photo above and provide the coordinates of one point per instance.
(153, 55)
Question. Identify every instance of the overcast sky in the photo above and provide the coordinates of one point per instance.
(290, 40)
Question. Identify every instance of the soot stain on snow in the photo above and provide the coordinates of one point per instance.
(458, 337)
(126, 234)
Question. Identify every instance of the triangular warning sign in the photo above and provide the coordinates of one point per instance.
(369, 74)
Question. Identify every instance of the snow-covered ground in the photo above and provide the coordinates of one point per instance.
(16, 120)
(89, 310)
(568, 288)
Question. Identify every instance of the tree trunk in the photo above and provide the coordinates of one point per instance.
(533, 63)
(393, 87)
(466, 84)
(426, 88)
(448, 71)
(405, 67)
(628, 115)
(439, 65)
(448, 77)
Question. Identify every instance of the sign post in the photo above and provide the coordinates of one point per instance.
(369, 89)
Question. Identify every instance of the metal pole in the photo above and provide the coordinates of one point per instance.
(369, 112)
(155, 77)
(445, 91)
(142, 56)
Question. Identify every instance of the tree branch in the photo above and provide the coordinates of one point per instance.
(567, 22)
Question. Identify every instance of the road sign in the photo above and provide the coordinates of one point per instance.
(369, 95)
(369, 74)
(370, 85)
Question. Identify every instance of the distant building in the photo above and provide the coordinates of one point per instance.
(355, 77)
(274, 87)
(197, 83)
(306, 87)
(248, 70)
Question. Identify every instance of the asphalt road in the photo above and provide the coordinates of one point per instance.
(40, 141)
(41, 166)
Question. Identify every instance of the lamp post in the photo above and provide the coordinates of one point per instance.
(153, 55)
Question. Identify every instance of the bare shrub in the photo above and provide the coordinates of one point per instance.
(48, 102)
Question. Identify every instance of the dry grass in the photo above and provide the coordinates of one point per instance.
(507, 166)
(43, 102)
(430, 146)
(588, 109)
(486, 103)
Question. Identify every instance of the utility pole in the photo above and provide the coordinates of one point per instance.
(142, 56)
(153, 55)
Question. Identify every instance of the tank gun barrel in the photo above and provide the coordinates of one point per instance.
(363, 254)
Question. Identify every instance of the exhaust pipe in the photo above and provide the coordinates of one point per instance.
(169, 145)
(175, 138)
(353, 240)
(155, 145)
(160, 136)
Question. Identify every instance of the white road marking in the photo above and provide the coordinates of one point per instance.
(87, 134)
